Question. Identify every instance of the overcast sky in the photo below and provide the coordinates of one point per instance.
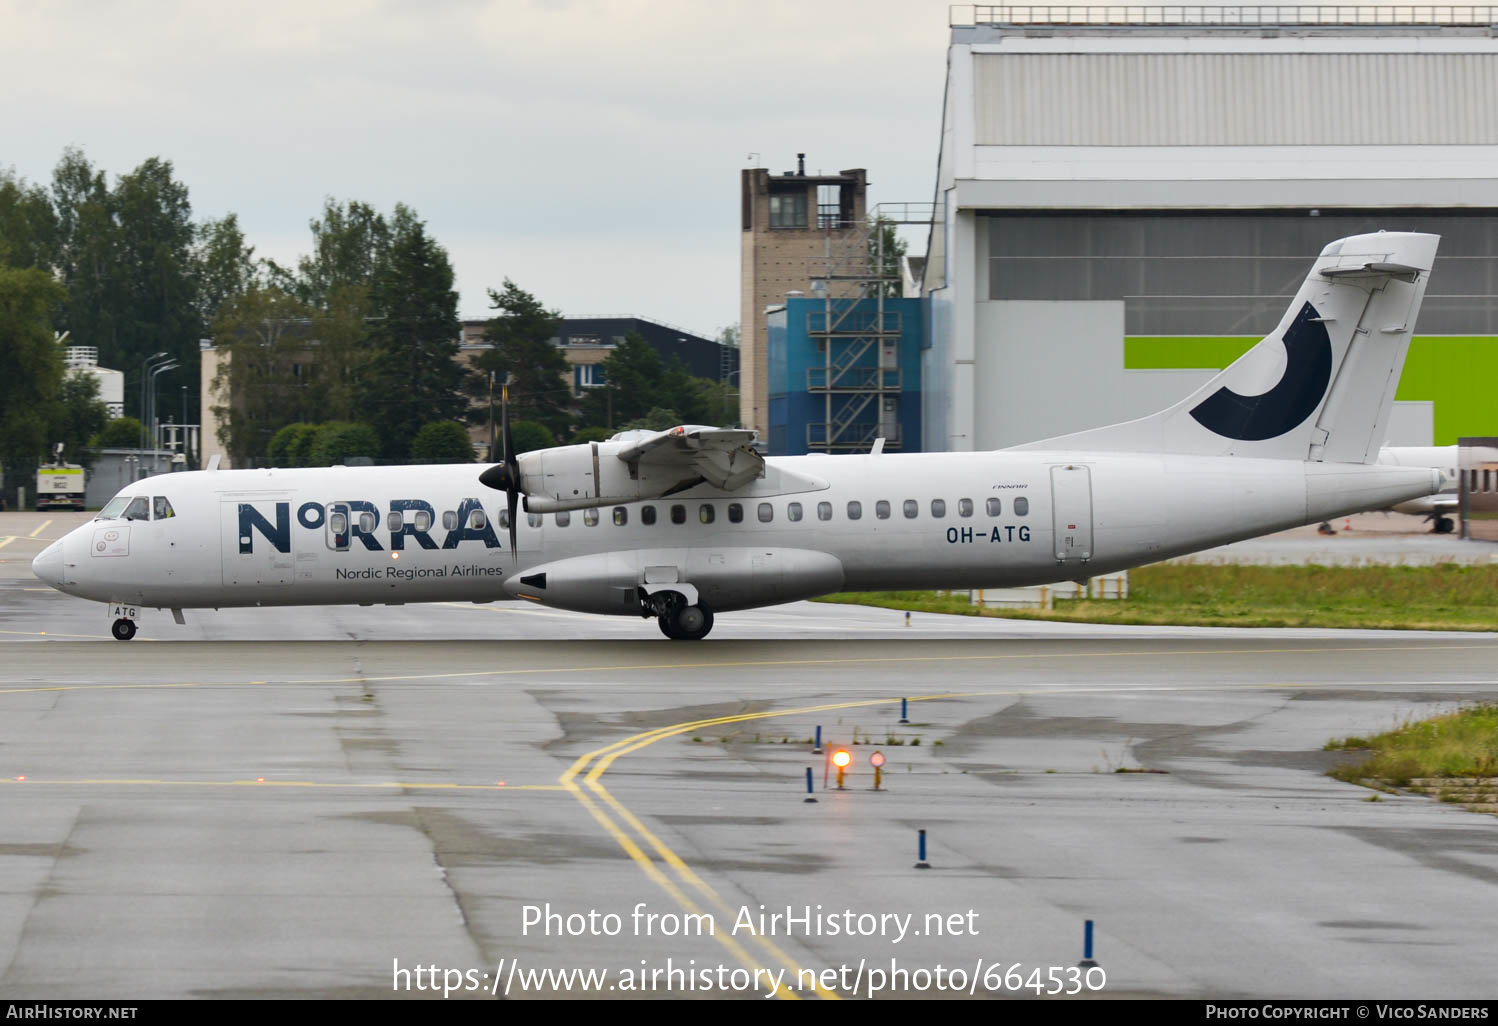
(588, 149)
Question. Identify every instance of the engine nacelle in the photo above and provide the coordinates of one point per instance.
(579, 476)
(720, 578)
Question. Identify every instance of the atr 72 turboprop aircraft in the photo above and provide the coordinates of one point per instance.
(686, 523)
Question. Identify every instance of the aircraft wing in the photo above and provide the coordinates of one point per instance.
(723, 457)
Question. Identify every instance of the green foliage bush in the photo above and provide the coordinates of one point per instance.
(443, 441)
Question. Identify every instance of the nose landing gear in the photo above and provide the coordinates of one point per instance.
(123, 628)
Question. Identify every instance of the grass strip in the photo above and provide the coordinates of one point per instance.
(1459, 744)
(1442, 597)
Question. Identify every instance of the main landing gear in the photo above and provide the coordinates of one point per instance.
(679, 621)
(123, 630)
(1442, 525)
(687, 623)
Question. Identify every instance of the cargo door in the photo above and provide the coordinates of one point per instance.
(256, 542)
(1071, 513)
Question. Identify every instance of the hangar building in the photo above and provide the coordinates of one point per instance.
(1128, 197)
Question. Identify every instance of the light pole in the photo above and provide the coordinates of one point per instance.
(144, 417)
(151, 406)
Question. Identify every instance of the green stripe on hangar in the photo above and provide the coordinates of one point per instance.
(1458, 373)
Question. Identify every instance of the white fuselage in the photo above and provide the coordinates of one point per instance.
(267, 537)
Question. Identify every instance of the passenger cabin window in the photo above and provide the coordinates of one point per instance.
(564, 518)
(476, 520)
(735, 513)
(449, 521)
(824, 511)
(964, 507)
(647, 515)
(766, 512)
(793, 511)
(1021, 506)
(367, 521)
(590, 517)
(503, 518)
(621, 516)
(533, 519)
(995, 507)
(395, 521)
(678, 514)
(706, 513)
(424, 519)
(938, 508)
(881, 509)
(139, 509)
(855, 509)
(910, 508)
(161, 509)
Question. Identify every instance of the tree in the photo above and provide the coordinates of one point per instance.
(291, 446)
(31, 371)
(886, 249)
(126, 256)
(119, 433)
(528, 436)
(442, 441)
(224, 265)
(158, 278)
(28, 224)
(656, 419)
(521, 334)
(77, 416)
(413, 376)
(264, 380)
(582, 436)
(633, 374)
(350, 247)
(86, 255)
(338, 441)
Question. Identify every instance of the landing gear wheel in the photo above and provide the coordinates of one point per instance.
(688, 623)
(1443, 525)
(123, 630)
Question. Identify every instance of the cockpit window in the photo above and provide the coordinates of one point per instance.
(161, 508)
(139, 509)
(114, 507)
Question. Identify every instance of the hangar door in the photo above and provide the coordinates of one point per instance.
(1071, 513)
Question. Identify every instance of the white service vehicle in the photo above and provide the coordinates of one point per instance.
(688, 523)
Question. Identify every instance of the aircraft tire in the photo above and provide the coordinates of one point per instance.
(690, 623)
(1443, 525)
(123, 630)
(666, 628)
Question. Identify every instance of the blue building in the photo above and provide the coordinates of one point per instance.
(843, 372)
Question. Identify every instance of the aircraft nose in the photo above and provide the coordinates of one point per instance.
(48, 565)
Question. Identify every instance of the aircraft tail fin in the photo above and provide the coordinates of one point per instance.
(1320, 386)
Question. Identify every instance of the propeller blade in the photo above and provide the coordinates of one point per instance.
(504, 418)
(512, 468)
(514, 498)
(493, 438)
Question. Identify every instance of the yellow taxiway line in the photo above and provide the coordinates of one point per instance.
(45, 524)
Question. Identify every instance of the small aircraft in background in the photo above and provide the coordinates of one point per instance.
(681, 525)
